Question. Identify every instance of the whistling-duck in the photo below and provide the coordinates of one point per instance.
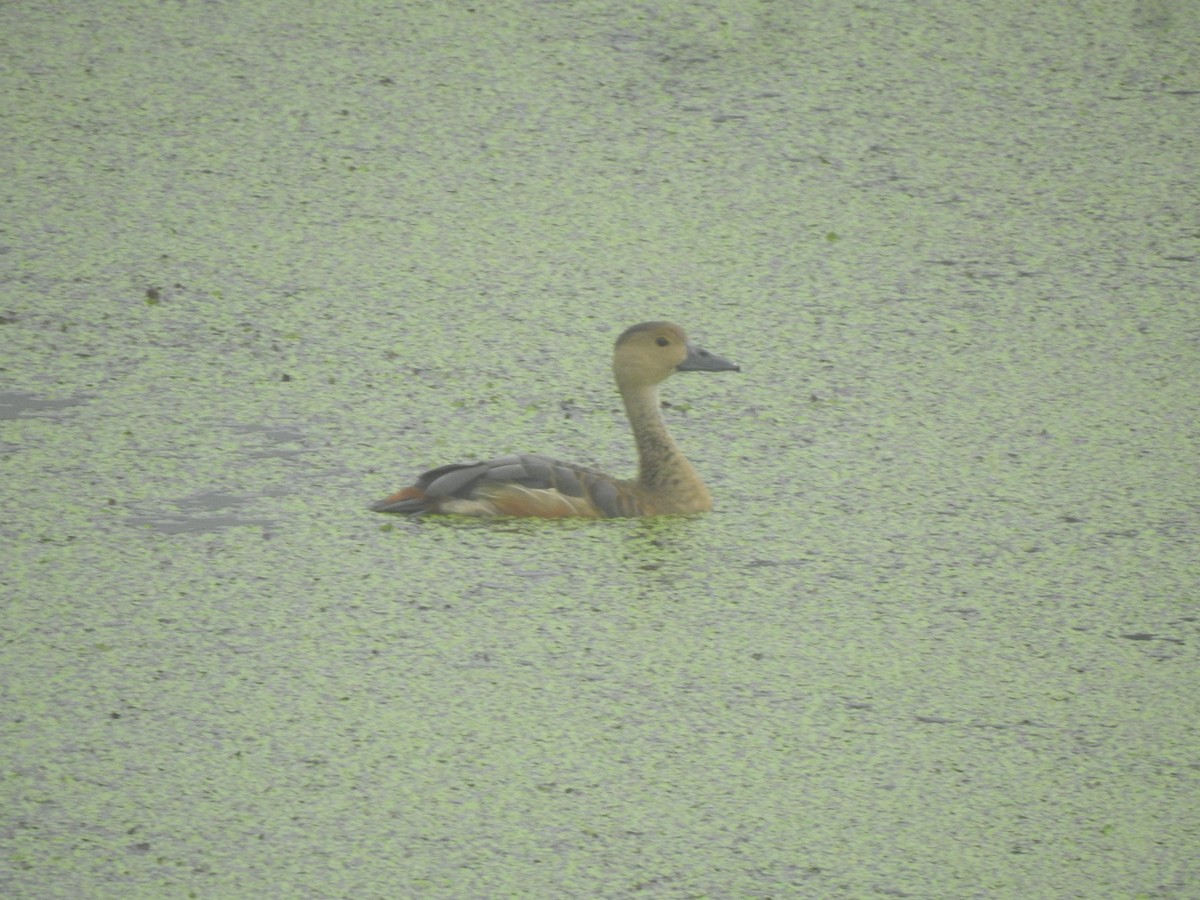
(528, 485)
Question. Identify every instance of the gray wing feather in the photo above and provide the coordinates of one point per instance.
(604, 495)
(566, 480)
(539, 470)
(529, 470)
(512, 472)
(451, 480)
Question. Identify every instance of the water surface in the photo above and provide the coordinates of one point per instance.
(264, 265)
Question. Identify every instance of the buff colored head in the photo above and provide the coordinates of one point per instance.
(648, 353)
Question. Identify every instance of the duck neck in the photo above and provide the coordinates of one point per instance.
(661, 464)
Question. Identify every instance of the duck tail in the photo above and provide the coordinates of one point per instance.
(412, 501)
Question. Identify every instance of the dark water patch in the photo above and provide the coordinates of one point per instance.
(179, 524)
(274, 437)
(1147, 636)
(193, 515)
(19, 404)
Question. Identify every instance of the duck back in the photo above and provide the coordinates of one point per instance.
(518, 485)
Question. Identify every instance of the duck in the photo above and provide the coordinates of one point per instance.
(531, 485)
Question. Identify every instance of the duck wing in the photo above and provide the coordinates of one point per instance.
(517, 485)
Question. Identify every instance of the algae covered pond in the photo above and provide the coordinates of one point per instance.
(262, 265)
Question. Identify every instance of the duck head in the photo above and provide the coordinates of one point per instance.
(650, 352)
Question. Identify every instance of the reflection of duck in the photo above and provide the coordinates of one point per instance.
(527, 485)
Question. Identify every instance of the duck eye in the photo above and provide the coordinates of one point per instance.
(662, 342)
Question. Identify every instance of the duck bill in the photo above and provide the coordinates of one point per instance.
(700, 360)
